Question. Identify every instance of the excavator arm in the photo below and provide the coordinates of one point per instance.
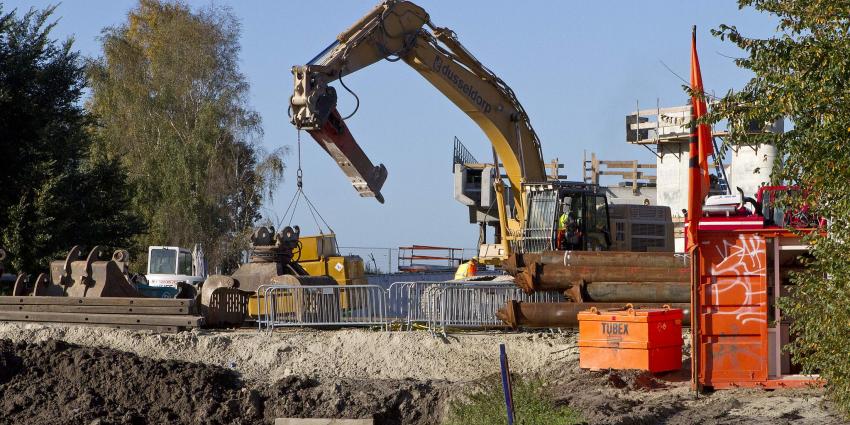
(400, 30)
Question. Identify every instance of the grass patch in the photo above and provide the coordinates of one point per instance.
(532, 406)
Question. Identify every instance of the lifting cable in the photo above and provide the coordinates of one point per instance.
(299, 193)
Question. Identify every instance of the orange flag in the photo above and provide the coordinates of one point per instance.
(700, 149)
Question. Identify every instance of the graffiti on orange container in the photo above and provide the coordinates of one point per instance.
(737, 272)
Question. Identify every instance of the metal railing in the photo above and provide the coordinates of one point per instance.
(539, 231)
(322, 305)
(407, 302)
(461, 155)
(438, 306)
(443, 305)
(474, 306)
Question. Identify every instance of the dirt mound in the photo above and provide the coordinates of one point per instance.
(388, 401)
(53, 382)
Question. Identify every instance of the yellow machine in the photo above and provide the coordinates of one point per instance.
(318, 257)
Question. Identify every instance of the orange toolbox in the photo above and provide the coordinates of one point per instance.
(630, 338)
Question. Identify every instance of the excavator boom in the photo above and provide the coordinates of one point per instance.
(400, 30)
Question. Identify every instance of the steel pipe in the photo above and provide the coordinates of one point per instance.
(552, 277)
(518, 314)
(638, 292)
(517, 262)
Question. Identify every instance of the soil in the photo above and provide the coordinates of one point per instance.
(56, 382)
(55, 374)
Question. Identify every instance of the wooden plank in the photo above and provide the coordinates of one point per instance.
(115, 319)
(146, 302)
(627, 174)
(97, 309)
(619, 164)
(156, 329)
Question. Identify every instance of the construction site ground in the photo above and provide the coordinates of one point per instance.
(59, 374)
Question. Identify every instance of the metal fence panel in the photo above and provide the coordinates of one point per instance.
(323, 305)
(438, 305)
(474, 306)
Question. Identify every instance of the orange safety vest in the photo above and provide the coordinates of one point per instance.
(465, 270)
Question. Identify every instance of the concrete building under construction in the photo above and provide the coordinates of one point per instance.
(662, 131)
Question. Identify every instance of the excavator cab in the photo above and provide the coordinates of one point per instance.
(586, 225)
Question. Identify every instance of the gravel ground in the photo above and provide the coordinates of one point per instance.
(349, 353)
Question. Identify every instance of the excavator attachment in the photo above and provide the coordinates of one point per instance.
(94, 275)
(337, 141)
(94, 289)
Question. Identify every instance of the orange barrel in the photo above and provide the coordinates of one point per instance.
(631, 338)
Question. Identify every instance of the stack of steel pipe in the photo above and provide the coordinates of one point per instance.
(595, 279)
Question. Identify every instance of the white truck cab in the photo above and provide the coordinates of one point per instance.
(169, 265)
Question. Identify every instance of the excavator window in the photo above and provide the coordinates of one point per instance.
(573, 235)
(587, 226)
(598, 236)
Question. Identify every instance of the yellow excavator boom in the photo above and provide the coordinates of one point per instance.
(401, 30)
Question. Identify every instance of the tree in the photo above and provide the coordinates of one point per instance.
(803, 73)
(173, 108)
(53, 193)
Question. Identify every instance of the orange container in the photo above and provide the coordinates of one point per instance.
(630, 338)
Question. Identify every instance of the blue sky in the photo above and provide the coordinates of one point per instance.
(577, 67)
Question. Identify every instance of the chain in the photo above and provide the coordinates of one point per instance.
(299, 173)
(293, 204)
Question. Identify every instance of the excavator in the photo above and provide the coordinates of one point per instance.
(398, 30)
(402, 31)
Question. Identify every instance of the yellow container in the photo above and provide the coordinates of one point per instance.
(314, 248)
(315, 268)
(345, 268)
(257, 304)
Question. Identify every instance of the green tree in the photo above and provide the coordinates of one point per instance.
(53, 193)
(173, 108)
(803, 73)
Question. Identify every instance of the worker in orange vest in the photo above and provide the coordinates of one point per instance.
(467, 269)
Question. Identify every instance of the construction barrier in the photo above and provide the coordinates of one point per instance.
(409, 303)
(474, 306)
(398, 299)
(469, 305)
(438, 306)
(321, 305)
